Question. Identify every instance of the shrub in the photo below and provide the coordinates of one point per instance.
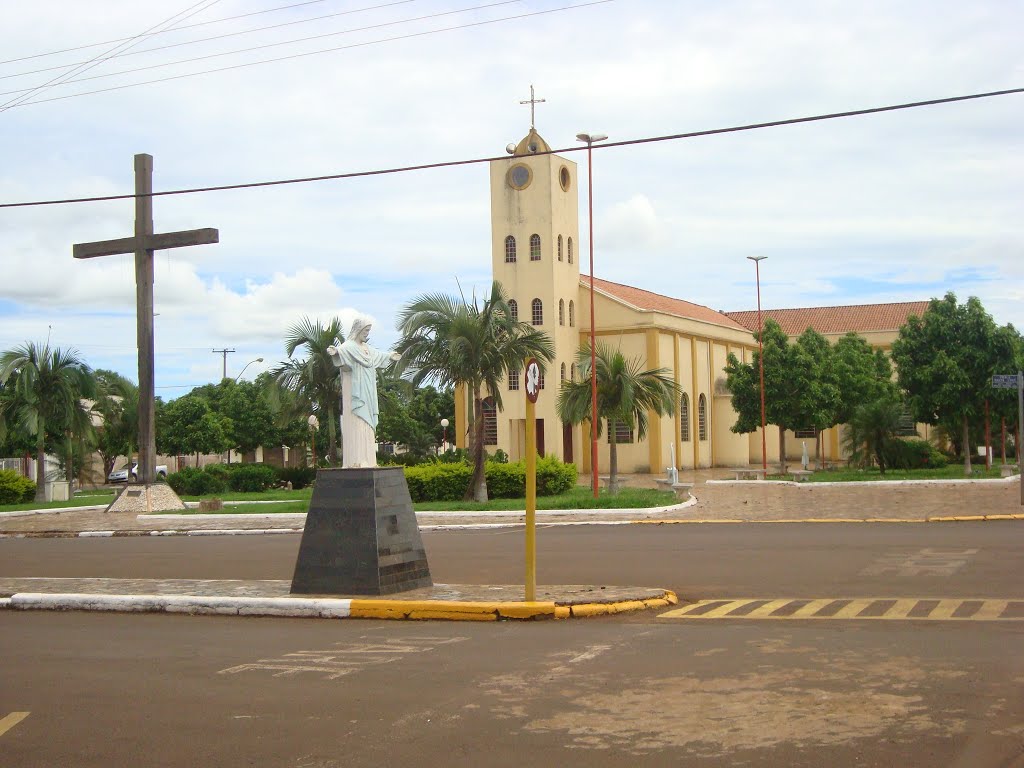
(299, 477)
(190, 481)
(438, 482)
(222, 471)
(914, 454)
(252, 478)
(499, 457)
(506, 481)
(554, 477)
(15, 489)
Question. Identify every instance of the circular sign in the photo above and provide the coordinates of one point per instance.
(532, 379)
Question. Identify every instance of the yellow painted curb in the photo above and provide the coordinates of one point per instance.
(453, 616)
(452, 610)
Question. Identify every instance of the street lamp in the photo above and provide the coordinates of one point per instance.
(589, 139)
(760, 346)
(257, 360)
(444, 435)
(314, 425)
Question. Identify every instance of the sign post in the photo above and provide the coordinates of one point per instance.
(532, 390)
(1009, 381)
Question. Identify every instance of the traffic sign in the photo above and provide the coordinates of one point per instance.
(1005, 381)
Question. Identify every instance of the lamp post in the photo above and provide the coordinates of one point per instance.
(257, 360)
(444, 435)
(590, 139)
(314, 425)
(760, 346)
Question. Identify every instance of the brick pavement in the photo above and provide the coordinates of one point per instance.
(715, 501)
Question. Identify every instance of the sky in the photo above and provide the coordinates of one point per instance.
(897, 206)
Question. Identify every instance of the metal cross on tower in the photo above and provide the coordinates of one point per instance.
(142, 245)
(532, 102)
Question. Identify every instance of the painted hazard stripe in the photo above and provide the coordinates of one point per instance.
(875, 608)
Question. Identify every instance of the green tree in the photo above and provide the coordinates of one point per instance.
(789, 384)
(453, 342)
(625, 395)
(246, 405)
(945, 360)
(117, 403)
(314, 379)
(188, 425)
(1004, 401)
(821, 402)
(872, 427)
(46, 389)
(864, 375)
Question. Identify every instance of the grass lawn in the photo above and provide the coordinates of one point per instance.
(578, 498)
(83, 499)
(849, 475)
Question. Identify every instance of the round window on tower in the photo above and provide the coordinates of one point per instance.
(519, 176)
(565, 178)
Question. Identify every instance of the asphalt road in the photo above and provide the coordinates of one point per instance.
(642, 689)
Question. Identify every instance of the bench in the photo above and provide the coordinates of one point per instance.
(746, 473)
(682, 490)
(799, 475)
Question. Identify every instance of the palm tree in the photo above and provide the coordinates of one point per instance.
(456, 342)
(47, 388)
(314, 379)
(625, 395)
(872, 428)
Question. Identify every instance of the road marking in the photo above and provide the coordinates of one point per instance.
(344, 658)
(923, 562)
(11, 720)
(873, 608)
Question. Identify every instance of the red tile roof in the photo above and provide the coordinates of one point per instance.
(859, 318)
(646, 300)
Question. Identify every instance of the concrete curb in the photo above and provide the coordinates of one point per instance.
(325, 608)
(859, 484)
(956, 519)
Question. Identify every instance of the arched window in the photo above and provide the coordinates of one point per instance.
(510, 250)
(540, 381)
(702, 418)
(534, 247)
(684, 418)
(569, 251)
(537, 314)
(559, 247)
(513, 310)
(513, 379)
(563, 372)
(561, 311)
(490, 422)
(572, 314)
(572, 372)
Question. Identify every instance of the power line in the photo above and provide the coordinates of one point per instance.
(162, 31)
(96, 60)
(411, 35)
(565, 150)
(243, 32)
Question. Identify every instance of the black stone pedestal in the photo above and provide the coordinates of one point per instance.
(361, 536)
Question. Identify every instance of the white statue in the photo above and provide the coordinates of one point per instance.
(359, 362)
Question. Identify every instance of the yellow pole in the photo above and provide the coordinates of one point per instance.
(531, 502)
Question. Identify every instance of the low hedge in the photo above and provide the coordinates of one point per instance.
(914, 454)
(15, 489)
(252, 478)
(448, 482)
(190, 481)
(299, 477)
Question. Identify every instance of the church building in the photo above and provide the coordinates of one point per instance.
(535, 256)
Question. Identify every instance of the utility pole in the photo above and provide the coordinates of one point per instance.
(224, 353)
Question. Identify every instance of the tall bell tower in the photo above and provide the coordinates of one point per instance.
(534, 255)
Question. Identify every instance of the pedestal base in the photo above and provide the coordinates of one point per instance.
(143, 499)
(361, 536)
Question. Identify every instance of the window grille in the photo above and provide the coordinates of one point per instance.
(537, 316)
(702, 418)
(510, 250)
(490, 413)
(623, 433)
(513, 310)
(684, 418)
(559, 247)
(513, 379)
(534, 247)
(561, 311)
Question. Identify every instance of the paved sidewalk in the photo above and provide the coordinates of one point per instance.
(714, 500)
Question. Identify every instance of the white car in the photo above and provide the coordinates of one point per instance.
(121, 475)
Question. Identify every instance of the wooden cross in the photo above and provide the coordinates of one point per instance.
(142, 245)
(532, 102)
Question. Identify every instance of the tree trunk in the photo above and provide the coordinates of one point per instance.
(613, 458)
(477, 490)
(966, 446)
(334, 455)
(41, 462)
(782, 449)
